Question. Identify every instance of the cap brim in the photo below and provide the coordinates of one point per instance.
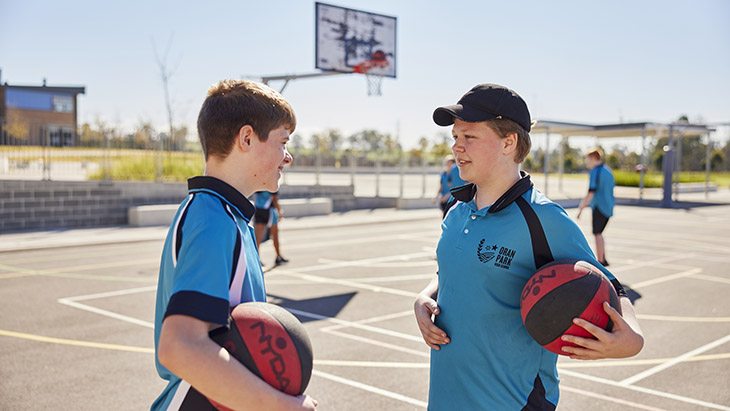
(444, 116)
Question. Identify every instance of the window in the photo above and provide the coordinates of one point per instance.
(63, 104)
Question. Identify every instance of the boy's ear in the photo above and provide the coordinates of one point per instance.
(245, 137)
(509, 143)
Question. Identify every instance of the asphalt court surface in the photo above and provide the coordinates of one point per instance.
(76, 322)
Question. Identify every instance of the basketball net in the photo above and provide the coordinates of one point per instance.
(374, 80)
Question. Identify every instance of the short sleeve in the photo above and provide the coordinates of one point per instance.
(565, 238)
(203, 271)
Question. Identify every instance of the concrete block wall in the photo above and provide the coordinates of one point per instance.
(34, 205)
(343, 197)
(39, 205)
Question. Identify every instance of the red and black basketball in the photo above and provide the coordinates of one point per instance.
(271, 342)
(563, 290)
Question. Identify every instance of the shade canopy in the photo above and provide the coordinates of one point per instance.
(647, 129)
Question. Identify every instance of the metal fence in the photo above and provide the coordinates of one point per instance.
(379, 173)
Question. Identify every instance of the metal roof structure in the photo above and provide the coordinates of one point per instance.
(647, 129)
(672, 131)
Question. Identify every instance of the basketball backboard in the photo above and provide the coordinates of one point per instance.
(353, 41)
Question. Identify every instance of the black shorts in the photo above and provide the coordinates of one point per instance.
(599, 221)
(262, 216)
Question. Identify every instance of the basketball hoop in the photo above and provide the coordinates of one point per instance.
(374, 81)
(374, 78)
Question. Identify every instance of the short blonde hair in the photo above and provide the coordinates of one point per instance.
(504, 126)
(232, 104)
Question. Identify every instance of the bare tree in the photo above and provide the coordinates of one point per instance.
(165, 74)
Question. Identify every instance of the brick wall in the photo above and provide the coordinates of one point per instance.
(31, 205)
(36, 205)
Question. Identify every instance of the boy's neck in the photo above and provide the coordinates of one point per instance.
(488, 193)
(222, 170)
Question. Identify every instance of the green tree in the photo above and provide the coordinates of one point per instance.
(442, 147)
(143, 136)
(90, 136)
(717, 160)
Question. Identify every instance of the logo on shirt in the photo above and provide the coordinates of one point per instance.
(502, 256)
(489, 252)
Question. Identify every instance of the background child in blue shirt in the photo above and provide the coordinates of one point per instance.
(600, 198)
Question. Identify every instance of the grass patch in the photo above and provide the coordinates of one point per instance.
(176, 167)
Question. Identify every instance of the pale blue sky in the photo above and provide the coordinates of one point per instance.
(576, 61)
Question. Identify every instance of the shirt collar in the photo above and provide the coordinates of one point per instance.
(225, 191)
(467, 192)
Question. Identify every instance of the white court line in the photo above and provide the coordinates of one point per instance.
(362, 279)
(373, 364)
(610, 399)
(646, 390)
(651, 371)
(370, 388)
(112, 293)
(708, 242)
(712, 278)
(352, 284)
(397, 264)
(360, 326)
(106, 313)
(672, 318)
(666, 278)
(372, 320)
(72, 302)
(645, 263)
(354, 263)
(366, 340)
(358, 240)
(381, 344)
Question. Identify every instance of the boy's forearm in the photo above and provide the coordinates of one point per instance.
(215, 373)
(432, 288)
(586, 200)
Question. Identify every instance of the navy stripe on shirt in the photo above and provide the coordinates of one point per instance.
(198, 305)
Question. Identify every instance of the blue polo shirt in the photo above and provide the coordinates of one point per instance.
(601, 184)
(262, 199)
(485, 258)
(456, 180)
(445, 182)
(209, 264)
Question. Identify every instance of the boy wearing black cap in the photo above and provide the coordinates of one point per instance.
(493, 239)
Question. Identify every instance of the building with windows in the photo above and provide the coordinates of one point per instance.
(38, 115)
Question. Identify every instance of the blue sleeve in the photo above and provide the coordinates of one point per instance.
(565, 238)
(593, 179)
(203, 271)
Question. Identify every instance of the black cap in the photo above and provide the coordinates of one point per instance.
(486, 102)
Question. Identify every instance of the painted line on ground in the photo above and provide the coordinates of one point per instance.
(370, 388)
(666, 278)
(358, 240)
(360, 326)
(64, 341)
(373, 364)
(610, 399)
(20, 272)
(646, 390)
(351, 284)
(632, 363)
(73, 302)
(640, 376)
(385, 265)
(683, 319)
